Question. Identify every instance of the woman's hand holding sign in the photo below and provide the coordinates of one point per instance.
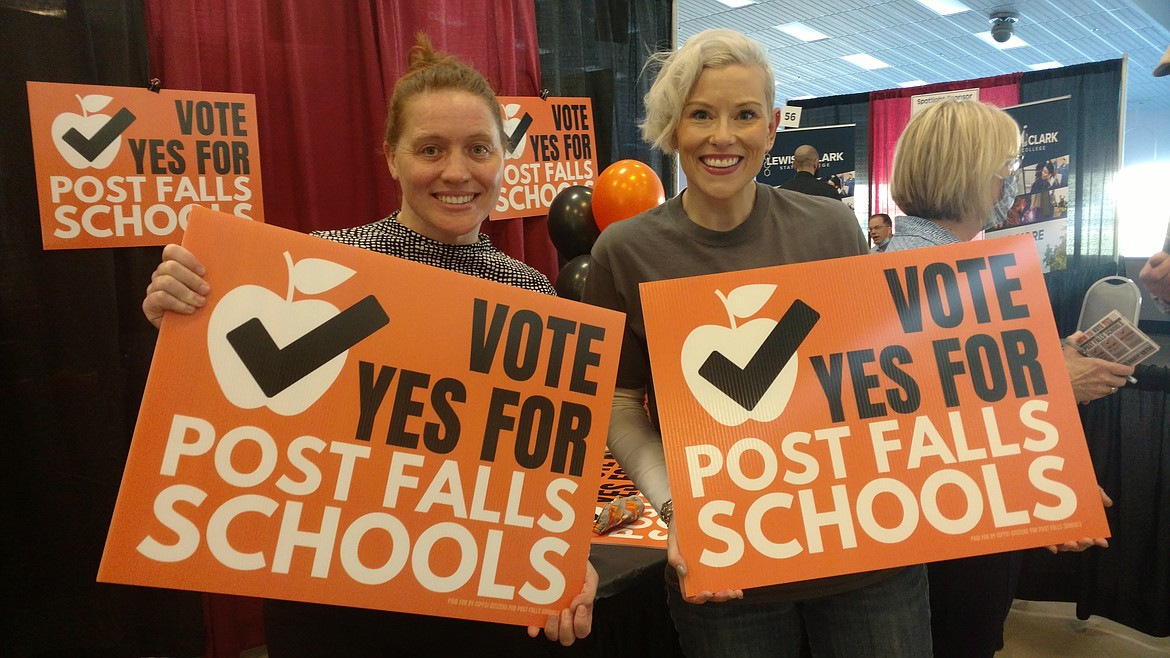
(175, 285)
(675, 559)
(575, 621)
(1078, 545)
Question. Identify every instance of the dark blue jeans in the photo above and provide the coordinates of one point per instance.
(888, 619)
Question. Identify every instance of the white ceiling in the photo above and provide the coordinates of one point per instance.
(921, 45)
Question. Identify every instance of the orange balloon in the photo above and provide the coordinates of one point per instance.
(624, 189)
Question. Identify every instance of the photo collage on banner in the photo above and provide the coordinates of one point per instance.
(1041, 207)
(833, 143)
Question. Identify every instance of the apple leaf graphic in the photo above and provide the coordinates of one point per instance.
(314, 276)
(511, 109)
(744, 301)
(94, 102)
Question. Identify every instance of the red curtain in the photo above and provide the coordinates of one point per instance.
(889, 112)
(321, 72)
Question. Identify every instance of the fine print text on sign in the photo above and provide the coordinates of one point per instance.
(324, 431)
(848, 415)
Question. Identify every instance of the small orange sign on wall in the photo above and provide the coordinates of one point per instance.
(343, 427)
(861, 413)
(123, 166)
(551, 146)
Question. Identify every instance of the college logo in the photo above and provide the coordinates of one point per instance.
(269, 351)
(746, 371)
(90, 139)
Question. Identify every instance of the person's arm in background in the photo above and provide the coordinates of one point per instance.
(1094, 378)
(1155, 276)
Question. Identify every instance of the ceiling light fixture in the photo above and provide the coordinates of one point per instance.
(944, 7)
(802, 32)
(867, 62)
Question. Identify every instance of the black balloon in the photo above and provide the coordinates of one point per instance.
(570, 282)
(570, 221)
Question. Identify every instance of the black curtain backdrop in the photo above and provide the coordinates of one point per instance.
(1094, 138)
(598, 50)
(1129, 582)
(74, 352)
(839, 110)
(1128, 434)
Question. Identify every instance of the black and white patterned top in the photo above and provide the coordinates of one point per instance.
(479, 259)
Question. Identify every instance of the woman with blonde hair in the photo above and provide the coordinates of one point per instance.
(955, 174)
(712, 105)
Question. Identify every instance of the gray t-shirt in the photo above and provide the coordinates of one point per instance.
(784, 227)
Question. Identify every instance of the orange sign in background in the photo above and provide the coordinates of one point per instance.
(854, 414)
(343, 427)
(647, 530)
(123, 166)
(550, 146)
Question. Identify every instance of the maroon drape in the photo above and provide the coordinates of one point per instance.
(889, 112)
(321, 72)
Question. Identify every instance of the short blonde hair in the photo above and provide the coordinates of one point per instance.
(948, 155)
(679, 70)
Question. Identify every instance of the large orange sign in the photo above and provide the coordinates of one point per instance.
(123, 166)
(344, 427)
(847, 415)
(550, 147)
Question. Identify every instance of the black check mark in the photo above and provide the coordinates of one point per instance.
(91, 147)
(277, 368)
(748, 384)
(521, 130)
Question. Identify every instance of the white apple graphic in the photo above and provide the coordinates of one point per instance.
(737, 342)
(286, 321)
(510, 123)
(87, 123)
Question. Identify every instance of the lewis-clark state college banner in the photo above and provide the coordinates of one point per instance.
(123, 166)
(344, 427)
(860, 413)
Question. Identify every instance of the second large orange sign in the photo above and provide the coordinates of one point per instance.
(855, 414)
